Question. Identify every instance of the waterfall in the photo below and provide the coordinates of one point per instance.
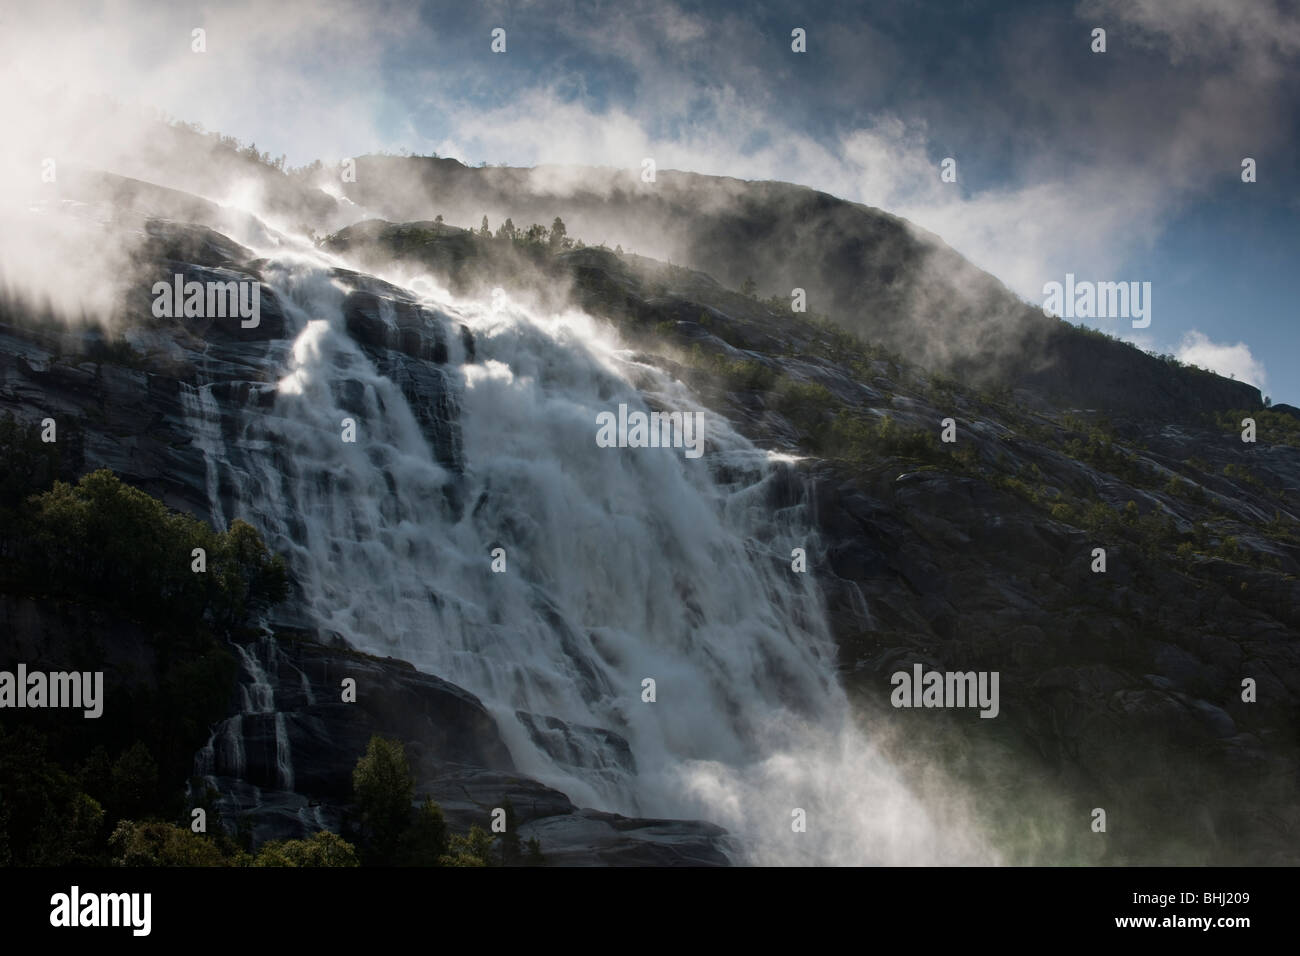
(621, 565)
(229, 745)
(259, 698)
(203, 418)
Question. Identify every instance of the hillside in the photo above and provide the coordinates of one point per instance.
(1121, 689)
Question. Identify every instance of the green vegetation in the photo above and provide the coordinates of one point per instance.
(1110, 458)
(391, 833)
(155, 843)
(165, 844)
(69, 826)
(29, 465)
(831, 427)
(1153, 533)
(323, 849)
(104, 541)
(859, 438)
(536, 237)
(383, 789)
(1271, 427)
(472, 849)
(45, 817)
(558, 240)
(736, 374)
(98, 560)
(836, 343)
(1242, 473)
(808, 406)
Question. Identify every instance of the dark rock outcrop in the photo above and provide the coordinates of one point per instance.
(287, 770)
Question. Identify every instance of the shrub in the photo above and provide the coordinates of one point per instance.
(323, 849)
(163, 844)
(808, 406)
(859, 439)
(45, 819)
(425, 841)
(473, 849)
(1062, 511)
(1271, 427)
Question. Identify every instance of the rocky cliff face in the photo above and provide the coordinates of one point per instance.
(872, 273)
(1124, 687)
(282, 760)
(1121, 689)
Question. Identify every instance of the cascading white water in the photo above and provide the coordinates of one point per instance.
(203, 417)
(258, 697)
(621, 565)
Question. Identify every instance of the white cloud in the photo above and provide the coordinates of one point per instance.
(1195, 28)
(729, 118)
(1235, 361)
(1015, 232)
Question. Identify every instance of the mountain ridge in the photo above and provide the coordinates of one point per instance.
(974, 555)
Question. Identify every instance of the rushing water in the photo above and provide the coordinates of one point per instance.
(620, 565)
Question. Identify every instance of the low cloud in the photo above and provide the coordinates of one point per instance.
(1094, 183)
(1235, 361)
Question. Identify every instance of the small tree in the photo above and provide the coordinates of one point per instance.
(425, 843)
(485, 230)
(558, 233)
(473, 849)
(383, 789)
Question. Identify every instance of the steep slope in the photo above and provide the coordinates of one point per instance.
(168, 405)
(974, 555)
(1124, 688)
(872, 273)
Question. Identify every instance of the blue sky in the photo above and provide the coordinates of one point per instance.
(1123, 165)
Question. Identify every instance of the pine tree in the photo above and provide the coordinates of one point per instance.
(383, 788)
